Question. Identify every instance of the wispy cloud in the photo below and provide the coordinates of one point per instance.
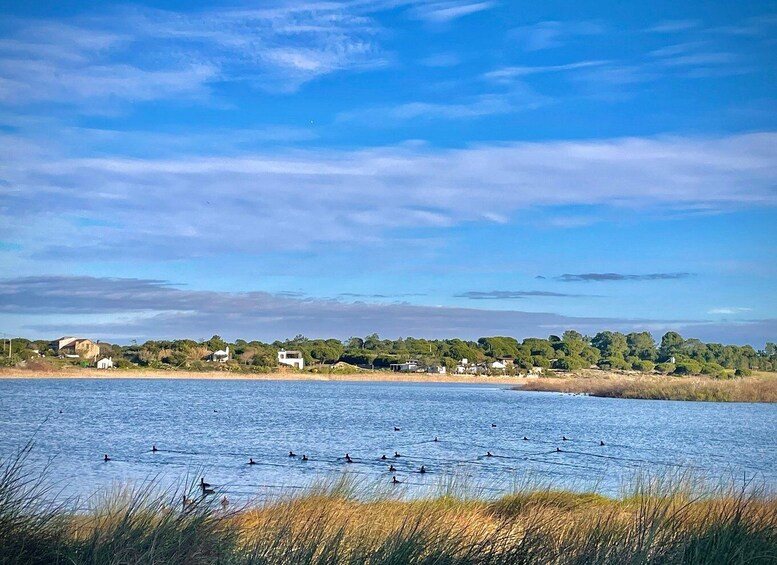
(518, 99)
(588, 277)
(441, 12)
(673, 26)
(135, 54)
(124, 309)
(190, 206)
(512, 294)
(730, 311)
(553, 34)
(514, 72)
(379, 296)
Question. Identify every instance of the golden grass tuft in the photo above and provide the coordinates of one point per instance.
(749, 389)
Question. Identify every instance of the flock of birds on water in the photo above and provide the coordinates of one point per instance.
(208, 489)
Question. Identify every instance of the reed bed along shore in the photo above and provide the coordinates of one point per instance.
(748, 389)
(654, 522)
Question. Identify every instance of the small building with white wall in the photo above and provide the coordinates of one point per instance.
(105, 363)
(292, 358)
(409, 366)
(220, 356)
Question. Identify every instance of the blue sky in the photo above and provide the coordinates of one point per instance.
(428, 168)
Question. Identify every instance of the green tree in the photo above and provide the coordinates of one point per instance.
(642, 345)
(671, 346)
(214, 344)
(499, 346)
(569, 363)
(610, 344)
(572, 343)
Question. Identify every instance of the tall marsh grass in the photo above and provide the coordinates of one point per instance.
(751, 389)
(337, 522)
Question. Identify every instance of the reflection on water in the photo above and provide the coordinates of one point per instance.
(213, 428)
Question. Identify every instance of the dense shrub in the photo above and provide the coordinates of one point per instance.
(687, 368)
(643, 365)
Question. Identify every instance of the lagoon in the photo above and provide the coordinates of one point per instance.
(211, 428)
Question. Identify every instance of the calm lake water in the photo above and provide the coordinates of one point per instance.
(211, 428)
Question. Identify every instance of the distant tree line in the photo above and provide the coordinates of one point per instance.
(571, 351)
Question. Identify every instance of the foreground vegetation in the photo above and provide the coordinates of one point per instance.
(760, 388)
(661, 523)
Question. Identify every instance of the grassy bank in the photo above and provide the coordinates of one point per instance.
(750, 389)
(654, 523)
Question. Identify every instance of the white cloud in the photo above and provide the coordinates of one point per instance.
(730, 311)
(673, 26)
(190, 206)
(441, 12)
(553, 34)
(141, 54)
(506, 73)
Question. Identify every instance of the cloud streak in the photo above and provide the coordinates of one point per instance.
(196, 206)
(128, 309)
(512, 294)
(135, 54)
(443, 12)
(606, 277)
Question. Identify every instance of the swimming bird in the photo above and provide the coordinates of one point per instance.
(601, 442)
(154, 449)
(489, 454)
(384, 457)
(224, 502)
(558, 450)
(493, 425)
(525, 438)
(292, 454)
(392, 468)
(396, 429)
(203, 484)
(187, 502)
(207, 491)
(348, 458)
(395, 481)
(304, 457)
(435, 438)
(564, 438)
(422, 469)
(251, 461)
(106, 458)
(396, 454)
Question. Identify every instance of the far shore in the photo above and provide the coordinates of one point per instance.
(376, 376)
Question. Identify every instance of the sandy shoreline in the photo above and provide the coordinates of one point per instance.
(75, 373)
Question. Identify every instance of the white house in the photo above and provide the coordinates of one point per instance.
(293, 358)
(105, 363)
(409, 366)
(437, 370)
(220, 356)
(466, 368)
